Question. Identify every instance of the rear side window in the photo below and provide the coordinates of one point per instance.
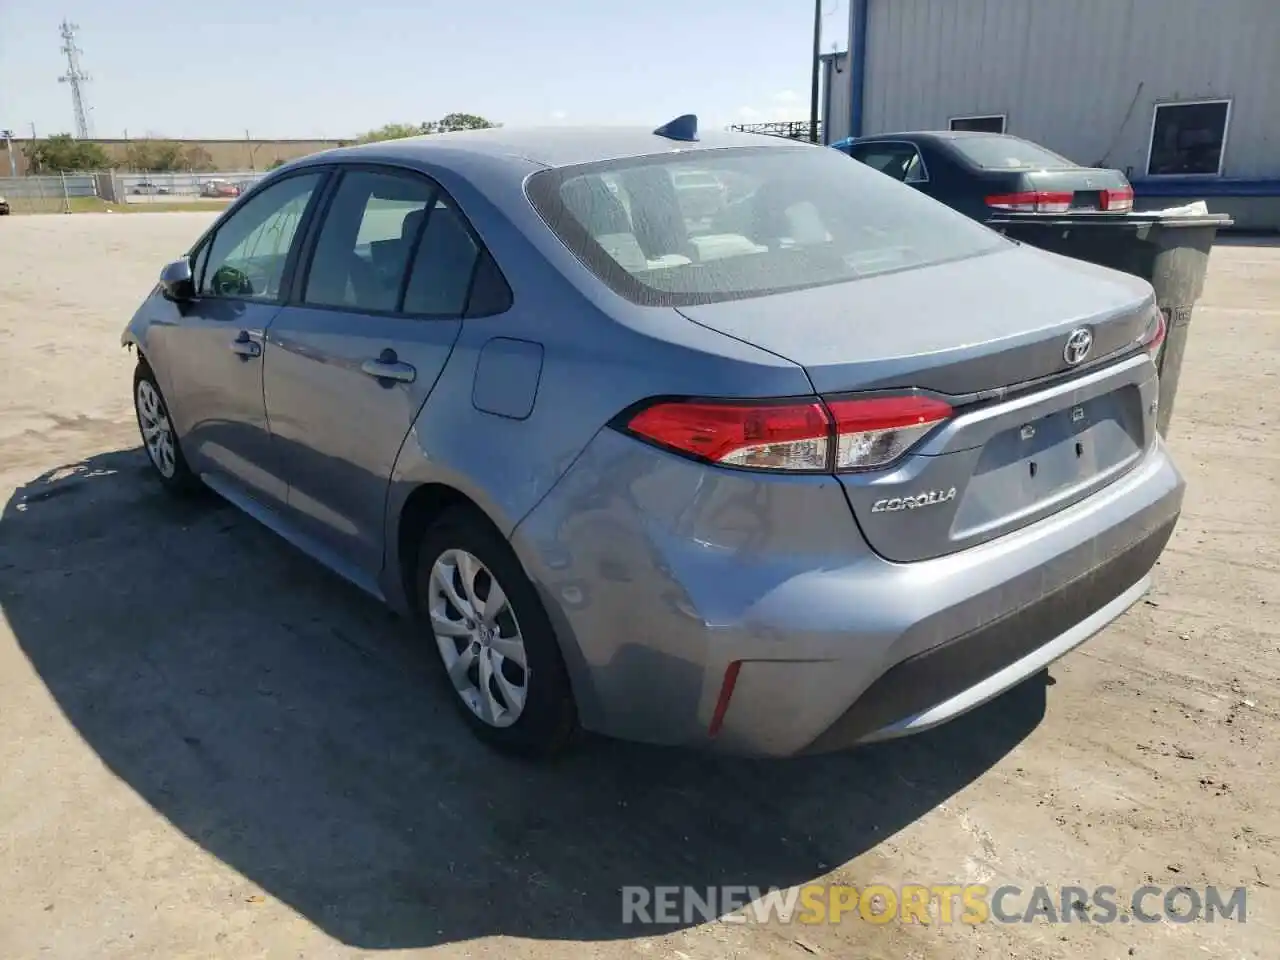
(898, 160)
(1009, 153)
(396, 243)
(444, 265)
(366, 240)
(705, 226)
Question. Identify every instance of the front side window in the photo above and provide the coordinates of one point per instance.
(364, 244)
(711, 225)
(247, 257)
(1188, 138)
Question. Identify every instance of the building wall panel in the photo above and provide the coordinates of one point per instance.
(1081, 76)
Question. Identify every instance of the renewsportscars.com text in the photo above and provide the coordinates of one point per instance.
(933, 903)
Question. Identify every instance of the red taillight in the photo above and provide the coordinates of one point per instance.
(776, 435)
(874, 431)
(726, 694)
(1032, 201)
(1153, 338)
(1118, 200)
(851, 433)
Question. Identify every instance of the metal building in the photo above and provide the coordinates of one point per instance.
(1183, 95)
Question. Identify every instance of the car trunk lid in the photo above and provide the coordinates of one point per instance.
(1032, 431)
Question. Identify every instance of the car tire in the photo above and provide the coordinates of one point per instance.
(159, 438)
(525, 709)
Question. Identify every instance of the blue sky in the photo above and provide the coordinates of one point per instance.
(331, 68)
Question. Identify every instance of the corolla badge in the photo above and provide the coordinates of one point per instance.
(1079, 343)
(929, 498)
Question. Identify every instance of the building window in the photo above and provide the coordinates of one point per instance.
(990, 123)
(1188, 138)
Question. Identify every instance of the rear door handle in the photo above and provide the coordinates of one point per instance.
(389, 367)
(245, 347)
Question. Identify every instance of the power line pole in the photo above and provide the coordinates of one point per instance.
(75, 77)
(817, 59)
(8, 148)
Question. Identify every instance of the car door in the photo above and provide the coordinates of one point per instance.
(215, 348)
(351, 362)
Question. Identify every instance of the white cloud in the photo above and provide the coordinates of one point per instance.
(786, 96)
(558, 115)
(748, 113)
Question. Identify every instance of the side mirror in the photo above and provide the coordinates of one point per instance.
(176, 280)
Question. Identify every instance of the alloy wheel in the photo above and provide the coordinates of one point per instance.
(157, 431)
(479, 638)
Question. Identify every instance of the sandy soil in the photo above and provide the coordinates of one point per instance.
(209, 747)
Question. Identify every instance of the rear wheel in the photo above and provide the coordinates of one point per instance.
(159, 438)
(495, 641)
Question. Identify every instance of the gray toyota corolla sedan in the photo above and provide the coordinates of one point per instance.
(720, 441)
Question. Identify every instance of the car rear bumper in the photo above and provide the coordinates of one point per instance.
(659, 574)
(947, 680)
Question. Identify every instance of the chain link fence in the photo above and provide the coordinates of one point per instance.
(47, 194)
(83, 192)
(180, 187)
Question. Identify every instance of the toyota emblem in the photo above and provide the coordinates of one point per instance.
(1079, 342)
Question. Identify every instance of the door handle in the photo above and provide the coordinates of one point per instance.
(389, 367)
(245, 347)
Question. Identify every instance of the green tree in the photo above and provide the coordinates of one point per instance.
(156, 156)
(446, 124)
(395, 131)
(463, 121)
(197, 159)
(62, 153)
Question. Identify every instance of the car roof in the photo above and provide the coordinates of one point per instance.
(551, 146)
(936, 135)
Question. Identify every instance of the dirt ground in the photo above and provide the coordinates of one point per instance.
(210, 747)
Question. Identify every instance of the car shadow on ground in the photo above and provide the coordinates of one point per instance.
(299, 732)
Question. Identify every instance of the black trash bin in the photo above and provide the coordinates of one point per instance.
(1171, 250)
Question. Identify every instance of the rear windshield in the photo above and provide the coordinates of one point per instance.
(1009, 153)
(710, 225)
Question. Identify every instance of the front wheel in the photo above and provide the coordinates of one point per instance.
(495, 641)
(159, 438)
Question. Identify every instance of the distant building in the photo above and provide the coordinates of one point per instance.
(1183, 95)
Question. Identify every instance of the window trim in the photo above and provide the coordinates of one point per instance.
(1002, 117)
(905, 143)
(295, 245)
(298, 286)
(1203, 101)
(202, 249)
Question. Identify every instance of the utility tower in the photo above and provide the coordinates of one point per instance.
(75, 77)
